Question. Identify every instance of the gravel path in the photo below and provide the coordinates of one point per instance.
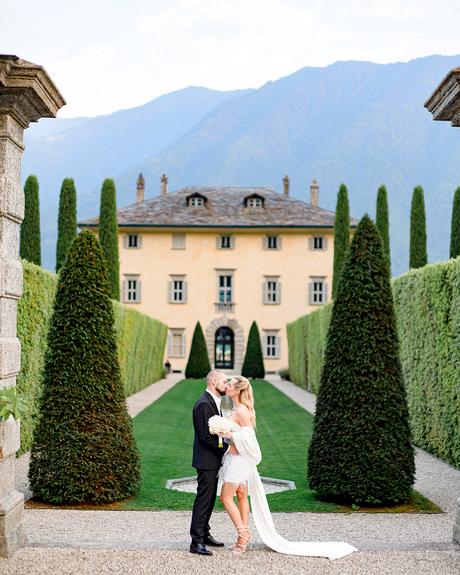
(99, 542)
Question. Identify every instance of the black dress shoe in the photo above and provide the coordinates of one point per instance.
(200, 549)
(209, 540)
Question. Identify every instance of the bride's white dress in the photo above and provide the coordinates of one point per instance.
(237, 468)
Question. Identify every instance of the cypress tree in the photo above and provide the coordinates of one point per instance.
(418, 255)
(198, 365)
(108, 236)
(455, 228)
(382, 220)
(67, 221)
(30, 248)
(83, 447)
(253, 364)
(341, 235)
(361, 449)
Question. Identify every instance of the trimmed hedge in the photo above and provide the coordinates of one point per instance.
(427, 304)
(140, 339)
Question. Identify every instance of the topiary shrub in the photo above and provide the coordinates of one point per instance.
(108, 236)
(341, 235)
(455, 226)
(67, 221)
(253, 364)
(417, 251)
(198, 365)
(382, 220)
(361, 449)
(30, 248)
(83, 447)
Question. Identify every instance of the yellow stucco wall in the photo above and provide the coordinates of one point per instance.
(155, 261)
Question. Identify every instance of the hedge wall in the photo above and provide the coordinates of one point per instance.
(141, 341)
(427, 302)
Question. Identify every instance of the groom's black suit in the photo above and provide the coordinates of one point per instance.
(207, 457)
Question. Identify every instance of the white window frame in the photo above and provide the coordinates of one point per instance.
(131, 288)
(230, 242)
(254, 203)
(317, 291)
(313, 244)
(177, 293)
(178, 241)
(175, 350)
(196, 201)
(272, 242)
(271, 290)
(271, 344)
(225, 290)
(128, 244)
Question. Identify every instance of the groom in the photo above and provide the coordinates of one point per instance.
(207, 457)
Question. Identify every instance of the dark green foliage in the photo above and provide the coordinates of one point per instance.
(455, 228)
(140, 342)
(108, 236)
(30, 249)
(83, 448)
(67, 221)
(418, 255)
(198, 365)
(382, 221)
(341, 235)
(361, 449)
(253, 364)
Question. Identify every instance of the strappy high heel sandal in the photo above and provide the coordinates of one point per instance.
(241, 547)
(243, 528)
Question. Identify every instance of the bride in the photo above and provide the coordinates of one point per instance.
(240, 477)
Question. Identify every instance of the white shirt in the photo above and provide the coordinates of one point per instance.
(216, 398)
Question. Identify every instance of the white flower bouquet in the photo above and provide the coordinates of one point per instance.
(219, 426)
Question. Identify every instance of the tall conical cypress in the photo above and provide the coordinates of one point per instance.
(198, 365)
(341, 235)
(455, 227)
(30, 248)
(253, 364)
(382, 220)
(418, 255)
(83, 448)
(108, 235)
(67, 221)
(361, 449)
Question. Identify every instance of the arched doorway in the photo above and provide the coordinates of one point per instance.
(224, 348)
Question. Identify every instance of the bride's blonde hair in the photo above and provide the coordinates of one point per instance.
(246, 396)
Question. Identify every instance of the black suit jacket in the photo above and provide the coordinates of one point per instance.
(206, 451)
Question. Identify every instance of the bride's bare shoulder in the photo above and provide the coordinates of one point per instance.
(244, 415)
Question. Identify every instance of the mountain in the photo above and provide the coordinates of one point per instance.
(91, 149)
(360, 123)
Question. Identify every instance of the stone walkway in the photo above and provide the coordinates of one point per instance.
(62, 541)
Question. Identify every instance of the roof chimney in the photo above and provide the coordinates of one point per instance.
(286, 185)
(164, 185)
(314, 193)
(140, 187)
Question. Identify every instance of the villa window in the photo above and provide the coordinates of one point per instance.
(176, 342)
(271, 290)
(225, 294)
(225, 242)
(272, 242)
(177, 290)
(254, 203)
(196, 201)
(178, 242)
(317, 291)
(131, 289)
(271, 344)
(132, 241)
(318, 243)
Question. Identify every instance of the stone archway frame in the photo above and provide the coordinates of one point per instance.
(238, 332)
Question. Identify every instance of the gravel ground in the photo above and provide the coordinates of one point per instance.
(120, 562)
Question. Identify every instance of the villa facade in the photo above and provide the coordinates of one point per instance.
(225, 256)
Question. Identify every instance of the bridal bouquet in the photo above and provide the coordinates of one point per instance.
(219, 426)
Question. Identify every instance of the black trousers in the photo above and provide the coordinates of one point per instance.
(204, 503)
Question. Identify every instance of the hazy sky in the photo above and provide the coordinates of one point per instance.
(110, 54)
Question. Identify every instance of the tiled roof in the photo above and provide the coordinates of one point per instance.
(224, 208)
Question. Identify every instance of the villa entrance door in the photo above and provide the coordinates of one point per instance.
(224, 348)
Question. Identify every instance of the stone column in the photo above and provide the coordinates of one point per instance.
(26, 95)
(444, 105)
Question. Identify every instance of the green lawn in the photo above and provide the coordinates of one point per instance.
(164, 434)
